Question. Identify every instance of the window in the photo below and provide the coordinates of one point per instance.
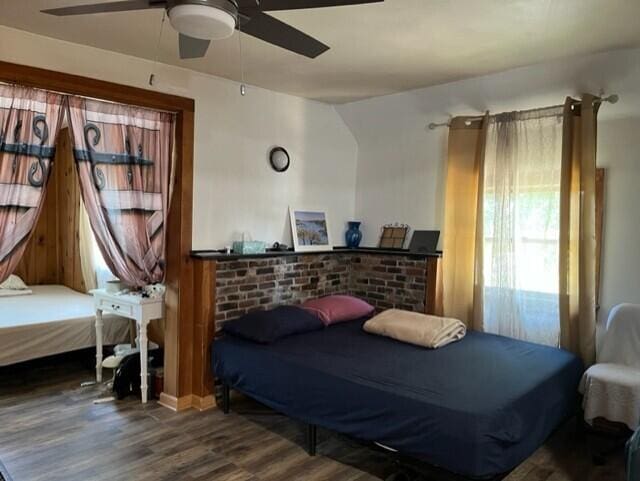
(94, 269)
(521, 226)
(103, 273)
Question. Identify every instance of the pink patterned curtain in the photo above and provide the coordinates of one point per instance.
(29, 124)
(124, 155)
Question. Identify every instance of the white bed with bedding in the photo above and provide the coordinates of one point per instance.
(51, 320)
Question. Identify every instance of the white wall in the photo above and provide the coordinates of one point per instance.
(619, 153)
(401, 163)
(235, 190)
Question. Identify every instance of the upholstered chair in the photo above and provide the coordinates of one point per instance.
(611, 387)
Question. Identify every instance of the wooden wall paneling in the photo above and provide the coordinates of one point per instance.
(179, 328)
(433, 290)
(39, 264)
(68, 215)
(204, 283)
(185, 141)
(53, 255)
(51, 220)
(179, 298)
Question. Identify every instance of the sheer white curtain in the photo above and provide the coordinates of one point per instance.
(95, 272)
(521, 225)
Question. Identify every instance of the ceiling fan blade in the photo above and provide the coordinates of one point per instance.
(272, 5)
(272, 30)
(124, 6)
(192, 47)
(255, 4)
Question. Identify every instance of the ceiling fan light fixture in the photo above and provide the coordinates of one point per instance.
(202, 21)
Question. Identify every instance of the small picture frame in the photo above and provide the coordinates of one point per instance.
(310, 230)
(393, 236)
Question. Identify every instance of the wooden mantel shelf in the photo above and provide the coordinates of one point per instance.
(219, 256)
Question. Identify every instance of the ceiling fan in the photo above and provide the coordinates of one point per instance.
(200, 21)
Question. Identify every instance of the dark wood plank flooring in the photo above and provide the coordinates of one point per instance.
(50, 430)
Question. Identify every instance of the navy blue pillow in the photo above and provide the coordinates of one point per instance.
(266, 327)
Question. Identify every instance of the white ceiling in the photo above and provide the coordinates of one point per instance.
(376, 49)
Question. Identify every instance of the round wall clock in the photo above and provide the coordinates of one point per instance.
(279, 159)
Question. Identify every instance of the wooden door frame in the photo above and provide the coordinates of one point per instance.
(179, 330)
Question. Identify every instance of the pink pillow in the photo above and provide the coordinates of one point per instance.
(339, 308)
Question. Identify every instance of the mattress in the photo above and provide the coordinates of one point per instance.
(52, 320)
(477, 407)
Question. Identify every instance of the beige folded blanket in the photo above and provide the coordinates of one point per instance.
(15, 292)
(415, 328)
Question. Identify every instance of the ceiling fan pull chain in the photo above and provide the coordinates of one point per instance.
(243, 87)
(155, 61)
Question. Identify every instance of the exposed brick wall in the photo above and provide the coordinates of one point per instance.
(389, 281)
(246, 285)
(385, 281)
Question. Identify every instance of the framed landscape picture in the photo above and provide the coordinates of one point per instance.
(310, 230)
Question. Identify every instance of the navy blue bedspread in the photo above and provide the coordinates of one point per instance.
(477, 407)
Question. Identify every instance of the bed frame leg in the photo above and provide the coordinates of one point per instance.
(225, 398)
(581, 428)
(312, 439)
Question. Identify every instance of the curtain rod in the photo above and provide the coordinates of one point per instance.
(612, 99)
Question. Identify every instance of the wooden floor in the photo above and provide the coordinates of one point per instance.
(50, 430)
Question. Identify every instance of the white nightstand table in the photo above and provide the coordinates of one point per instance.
(140, 309)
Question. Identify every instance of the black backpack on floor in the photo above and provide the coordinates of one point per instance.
(127, 378)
